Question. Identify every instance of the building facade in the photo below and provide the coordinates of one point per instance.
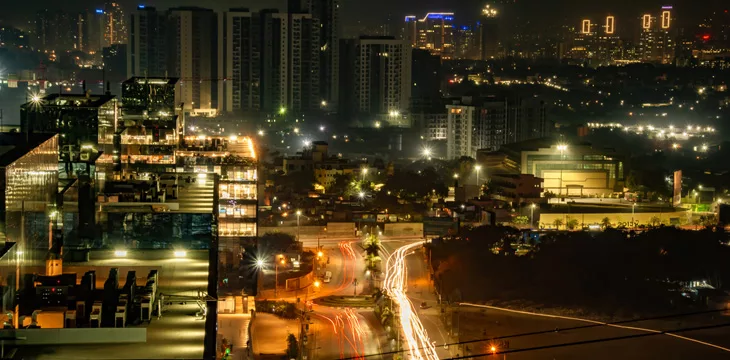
(433, 32)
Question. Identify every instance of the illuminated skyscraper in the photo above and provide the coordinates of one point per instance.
(489, 33)
(468, 46)
(116, 24)
(434, 32)
(656, 43)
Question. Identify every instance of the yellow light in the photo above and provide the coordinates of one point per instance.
(610, 24)
(493, 349)
(666, 19)
(320, 254)
(586, 27)
(646, 21)
(317, 283)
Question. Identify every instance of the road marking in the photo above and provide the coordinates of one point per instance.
(599, 323)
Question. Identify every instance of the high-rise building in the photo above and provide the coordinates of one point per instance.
(115, 62)
(489, 33)
(656, 42)
(148, 43)
(489, 123)
(240, 61)
(93, 31)
(116, 24)
(426, 79)
(381, 74)
(303, 60)
(434, 32)
(467, 42)
(194, 41)
(327, 14)
(56, 30)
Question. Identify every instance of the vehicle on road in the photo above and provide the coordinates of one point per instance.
(424, 305)
(327, 277)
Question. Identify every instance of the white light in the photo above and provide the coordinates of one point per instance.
(261, 133)
(181, 253)
(426, 152)
(296, 130)
(361, 194)
(377, 125)
(260, 263)
(202, 176)
(120, 253)
(321, 128)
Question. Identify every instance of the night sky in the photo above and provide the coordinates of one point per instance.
(376, 11)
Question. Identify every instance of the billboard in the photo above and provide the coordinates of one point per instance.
(677, 188)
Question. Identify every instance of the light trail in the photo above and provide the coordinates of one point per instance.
(419, 345)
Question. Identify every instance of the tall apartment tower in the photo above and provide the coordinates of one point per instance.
(194, 42)
(240, 61)
(116, 24)
(381, 75)
(656, 42)
(434, 32)
(270, 61)
(327, 14)
(489, 33)
(148, 43)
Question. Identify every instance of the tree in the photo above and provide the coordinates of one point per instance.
(549, 194)
(342, 185)
(655, 221)
(572, 224)
(292, 347)
(606, 223)
(558, 223)
(521, 220)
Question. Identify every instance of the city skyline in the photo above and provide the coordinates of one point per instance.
(376, 12)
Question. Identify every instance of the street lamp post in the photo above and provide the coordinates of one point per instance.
(532, 208)
(561, 148)
(478, 168)
(299, 213)
(363, 172)
(633, 206)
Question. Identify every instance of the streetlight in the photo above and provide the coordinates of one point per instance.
(363, 172)
(427, 153)
(299, 213)
(478, 168)
(633, 207)
(532, 208)
(562, 148)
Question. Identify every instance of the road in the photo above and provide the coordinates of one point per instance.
(344, 333)
(476, 323)
(415, 337)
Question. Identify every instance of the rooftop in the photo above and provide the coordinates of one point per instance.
(15, 145)
(151, 80)
(70, 100)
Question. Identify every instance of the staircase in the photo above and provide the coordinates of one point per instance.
(196, 196)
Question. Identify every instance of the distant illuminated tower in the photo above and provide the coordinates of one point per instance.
(656, 43)
(434, 32)
(116, 24)
(489, 33)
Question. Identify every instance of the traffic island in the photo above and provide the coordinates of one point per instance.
(346, 301)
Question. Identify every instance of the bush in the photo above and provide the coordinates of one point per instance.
(279, 308)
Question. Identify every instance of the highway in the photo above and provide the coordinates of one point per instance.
(477, 323)
(395, 284)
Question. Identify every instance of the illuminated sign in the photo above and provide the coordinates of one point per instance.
(666, 19)
(610, 24)
(99, 11)
(586, 27)
(646, 21)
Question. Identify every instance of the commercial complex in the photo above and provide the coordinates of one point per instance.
(657, 43)
(575, 169)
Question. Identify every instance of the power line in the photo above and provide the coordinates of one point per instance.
(552, 331)
(593, 341)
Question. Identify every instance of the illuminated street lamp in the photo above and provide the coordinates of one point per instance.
(633, 208)
(299, 213)
(427, 153)
(282, 111)
(363, 172)
(562, 148)
(532, 208)
(478, 168)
